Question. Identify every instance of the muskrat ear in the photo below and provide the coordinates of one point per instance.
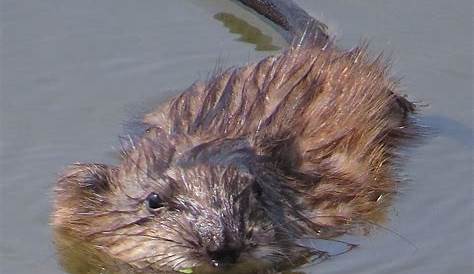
(85, 178)
(80, 189)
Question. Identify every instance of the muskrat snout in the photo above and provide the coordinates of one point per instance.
(223, 253)
(220, 234)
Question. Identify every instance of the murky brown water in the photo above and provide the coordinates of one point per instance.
(71, 72)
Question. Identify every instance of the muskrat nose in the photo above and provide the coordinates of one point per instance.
(223, 256)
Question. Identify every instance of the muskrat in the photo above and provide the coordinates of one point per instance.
(241, 167)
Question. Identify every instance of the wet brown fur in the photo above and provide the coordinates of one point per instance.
(313, 111)
(325, 122)
(314, 129)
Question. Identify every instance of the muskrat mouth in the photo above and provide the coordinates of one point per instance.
(223, 258)
(239, 265)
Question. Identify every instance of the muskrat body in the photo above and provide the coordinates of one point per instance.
(238, 168)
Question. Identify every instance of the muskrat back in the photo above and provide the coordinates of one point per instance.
(237, 169)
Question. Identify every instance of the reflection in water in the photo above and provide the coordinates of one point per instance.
(78, 256)
(248, 33)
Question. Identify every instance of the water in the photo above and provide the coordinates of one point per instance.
(73, 71)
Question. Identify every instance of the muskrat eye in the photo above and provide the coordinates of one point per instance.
(154, 201)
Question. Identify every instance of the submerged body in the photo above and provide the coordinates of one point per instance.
(239, 168)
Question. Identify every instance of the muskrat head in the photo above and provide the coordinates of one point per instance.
(152, 215)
